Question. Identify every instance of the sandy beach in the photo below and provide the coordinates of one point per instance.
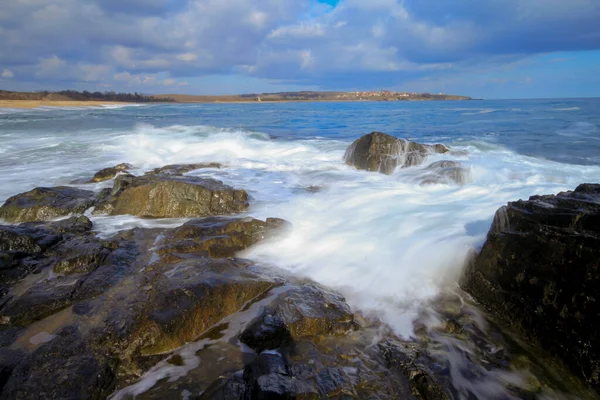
(53, 103)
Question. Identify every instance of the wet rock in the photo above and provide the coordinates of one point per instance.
(196, 295)
(44, 204)
(219, 237)
(383, 153)
(22, 245)
(405, 357)
(268, 378)
(180, 169)
(80, 255)
(109, 173)
(445, 172)
(65, 368)
(302, 311)
(164, 196)
(9, 359)
(538, 272)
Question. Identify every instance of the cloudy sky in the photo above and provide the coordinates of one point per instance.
(481, 48)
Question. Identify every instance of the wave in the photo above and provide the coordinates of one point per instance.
(485, 111)
(567, 109)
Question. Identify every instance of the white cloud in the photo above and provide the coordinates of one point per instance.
(50, 67)
(7, 73)
(279, 39)
(187, 57)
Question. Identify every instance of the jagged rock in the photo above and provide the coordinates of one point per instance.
(445, 172)
(383, 153)
(44, 204)
(538, 272)
(302, 311)
(164, 196)
(180, 169)
(405, 358)
(109, 173)
(21, 245)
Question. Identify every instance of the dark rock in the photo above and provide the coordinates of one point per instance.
(267, 378)
(538, 272)
(383, 153)
(80, 255)
(64, 368)
(180, 169)
(109, 173)
(405, 359)
(163, 196)
(22, 245)
(44, 204)
(445, 172)
(302, 311)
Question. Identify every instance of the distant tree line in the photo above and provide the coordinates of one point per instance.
(82, 96)
(110, 96)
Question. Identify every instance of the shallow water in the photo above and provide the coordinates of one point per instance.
(387, 243)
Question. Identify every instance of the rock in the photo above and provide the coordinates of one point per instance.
(81, 255)
(163, 196)
(302, 311)
(22, 245)
(64, 368)
(196, 295)
(268, 378)
(44, 204)
(180, 169)
(538, 272)
(445, 172)
(407, 359)
(383, 153)
(109, 173)
(126, 306)
(219, 237)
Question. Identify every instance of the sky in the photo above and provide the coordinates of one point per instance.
(478, 48)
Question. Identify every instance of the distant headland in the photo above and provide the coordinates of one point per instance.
(76, 98)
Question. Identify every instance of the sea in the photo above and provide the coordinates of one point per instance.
(389, 244)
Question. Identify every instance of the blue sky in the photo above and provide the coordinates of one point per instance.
(485, 49)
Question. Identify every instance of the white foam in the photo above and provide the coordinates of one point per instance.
(386, 242)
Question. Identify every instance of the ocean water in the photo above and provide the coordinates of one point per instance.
(387, 243)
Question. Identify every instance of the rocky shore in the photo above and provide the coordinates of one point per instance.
(176, 313)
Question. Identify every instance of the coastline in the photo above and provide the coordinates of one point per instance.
(56, 103)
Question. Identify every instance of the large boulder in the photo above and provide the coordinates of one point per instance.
(539, 272)
(171, 196)
(44, 204)
(383, 153)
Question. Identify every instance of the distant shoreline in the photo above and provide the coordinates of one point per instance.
(56, 103)
(32, 104)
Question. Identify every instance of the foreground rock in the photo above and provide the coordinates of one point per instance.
(538, 271)
(170, 196)
(383, 153)
(109, 173)
(104, 309)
